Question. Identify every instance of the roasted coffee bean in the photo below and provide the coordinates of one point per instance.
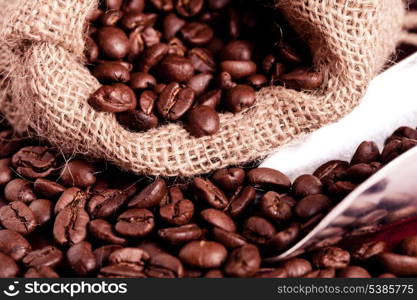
(152, 56)
(187, 8)
(72, 197)
(70, 226)
(135, 223)
(282, 240)
(374, 217)
(229, 179)
(150, 247)
(175, 101)
(8, 267)
(134, 6)
(111, 71)
(176, 47)
(387, 275)
(257, 81)
(289, 53)
(202, 60)
(217, 218)
(211, 99)
(340, 189)
(243, 262)
(353, 272)
(271, 273)
(113, 42)
(42, 209)
(203, 254)
(324, 273)
(91, 50)
(218, 4)
(136, 45)
(129, 255)
(258, 230)
(406, 132)
(81, 259)
(274, 209)
(177, 213)
(401, 213)
(34, 162)
(176, 68)
(147, 102)
(211, 194)
(13, 244)
(331, 257)
(297, 267)
(105, 203)
(225, 81)
(368, 250)
(6, 173)
(330, 170)
(19, 190)
(122, 271)
(362, 171)
(171, 25)
(48, 256)
(307, 185)
(137, 121)
(203, 120)
(78, 173)
(102, 254)
(367, 152)
(47, 188)
(395, 148)
(269, 178)
(41, 272)
(239, 98)
(180, 235)
(103, 231)
(142, 81)
(241, 200)
(110, 17)
(113, 4)
(199, 83)
(228, 239)
(238, 69)
(133, 20)
(18, 217)
(400, 265)
(164, 266)
(150, 196)
(237, 50)
(312, 205)
(303, 79)
(197, 34)
(409, 246)
(113, 98)
(163, 5)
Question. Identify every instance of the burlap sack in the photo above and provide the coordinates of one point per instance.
(351, 41)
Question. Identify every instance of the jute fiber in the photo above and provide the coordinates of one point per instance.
(351, 41)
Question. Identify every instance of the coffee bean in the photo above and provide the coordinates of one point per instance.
(171, 25)
(8, 267)
(129, 255)
(111, 71)
(340, 189)
(105, 203)
(41, 272)
(103, 231)
(188, 8)
(34, 162)
(203, 120)
(218, 4)
(257, 81)
(113, 4)
(258, 230)
(175, 101)
(306, 185)
(176, 68)
(6, 173)
(70, 226)
(48, 256)
(122, 271)
(386, 275)
(113, 42)
(197, 34)
(211, 99)
(271, 273)
(268, 177)
(219, 219)
(331, 257)
(102, 254)
(303, 79)
(239, 98)
(13, 244)
(368, 250)
(312, 205)
(241, 200)
(47, 188)
(164, 266)
(289, 53)
(19, 190)
(330, 170)
(72, 197)
(282, 240)
(211, 194)
(203, 254)
(225, 81)
(135, 223)
(362, 171)
(199, 83)
(141, 81)
(229, 179)
(113, 98)
(81, 259)
(163, 5)
(395, 148)
(409, 246)
(237, 50)
(297, 267)
(401, 213)
(243, 262)
(202, 60)
(238, 69)
(152, 56)
(78, 173)
(42, 209)
(150, 196)
(228, 239)
(373, 217)
(137, 121)
(406, 132)
(367, 152)
(274, 209)
(133, 20)
(176, 47)
(353, 272)
(214, 274)
(177, 213)
(180, 235)
(18, 217)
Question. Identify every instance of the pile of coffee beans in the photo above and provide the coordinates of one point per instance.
(187, 60)
(66, 218)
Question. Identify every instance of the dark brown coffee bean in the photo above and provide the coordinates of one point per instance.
(72, 197)
(367, 152)
(150, 196)
(142, 81)
(373, 217)
(133, 5)
(289, 53)
(312, 205)
(330, 170)
(257, 81)
(243, 262)
(268, 177)
(340, 188)
(135, 222)
(202, 60)
(70, 226)
(241, 200)
(163, 5)
(258, 230)
(211, 99)
(48, 189)
(111, 72)
(136, 45)
(199, 83)
(110, 17)
(225, 81)
(106, 203)
(122, 271)
(102, 254)
(331, 257)
(303, 79)
(78, 173)
(81, 259)
(8, 267)
(176, 68)
(176, 47)
(271, 273)
(353, 272)
(306, 185)
(91, 50)
(113, 98)
(227, 238)
(407, 132)
(129, 255)
(368, 250)
(197, 34)
(203, 120)
(203, 254)
(13, 244)
(177, 213)
(180, 235)
(229, 179)
(48, 256)
(362, 171)
(18, 217)
(42, 209)
(325, 273)
(297, 267)
(6, 173)
(152, 56)
(137, 121)
(211, 194)
(218, 4)
(282, 240)
(113, 42)
(218, 219)
(237, 50)
(409, 246)
(175, 101)
(19, 190)
(134, 20)
(187, 8)
(395, 148)
(171, 25)
(274, 209)
(103, 231)
(34, 162)
(164, 266)
(238, 69)
(41, 272)
(401, 213)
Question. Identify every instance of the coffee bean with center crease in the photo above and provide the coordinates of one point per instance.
(176, 68)
(229, 179)
(78, 173)
(362, 171)
(8, 267)
(175, 101)
(312, 205)
(241, 200)
(203, 254)
(282, 240)
(243, 261)
(202, 60)
(47, 188)
(258, 230)
(81, 259)
(164, 266)
(228, 239)
(106, 203)
(102, 254)
(34, 161)
(331, 257)
(72, 197)
(202, 121)
(150, 196)
(6, 173)
(137, 121)
(188, 8)
(152, 56)
(199, 83)
(303, 79)
(48, 256)
(306, 185)
(395, 148)
(111, 72)
(180, 235)
(134, 6)
(219, 219)
(19, 190)
(18, 217)
(211, 194)
(42, 209)
(197, 34)
(171, 25)
(113, 42)
(268, 177)
(103, 231)
(129, 255)
(113, 98)
(13, 244)
(237, 50)
(238, 69)
(177, 213)
(274, 209)
(297, 267)
(367, 250)
(163, 5)
(135, 223)
(70, 226)
(211, 99)
(141, 81)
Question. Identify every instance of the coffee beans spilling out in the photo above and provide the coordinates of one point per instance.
(174, 60)
(73, 218)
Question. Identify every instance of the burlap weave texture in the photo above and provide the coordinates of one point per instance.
(351, 40)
